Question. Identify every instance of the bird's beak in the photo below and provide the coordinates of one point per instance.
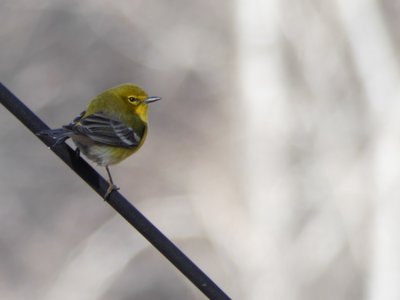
(152, 99)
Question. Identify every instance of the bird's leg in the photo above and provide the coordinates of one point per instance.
(111, 186)
(77, 152)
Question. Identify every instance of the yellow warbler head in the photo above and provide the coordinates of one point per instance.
(135, 98)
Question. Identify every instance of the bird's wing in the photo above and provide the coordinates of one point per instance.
(105, 129)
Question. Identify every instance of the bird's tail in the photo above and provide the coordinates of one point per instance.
(59, 135)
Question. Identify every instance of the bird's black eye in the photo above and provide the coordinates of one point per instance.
(132, 99)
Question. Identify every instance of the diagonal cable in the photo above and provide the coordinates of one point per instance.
(116, 200)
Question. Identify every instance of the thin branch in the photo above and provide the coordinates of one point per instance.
(116, 200)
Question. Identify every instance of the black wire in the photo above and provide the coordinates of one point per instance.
(116, 200)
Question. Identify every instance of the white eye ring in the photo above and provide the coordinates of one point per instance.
(132, 99)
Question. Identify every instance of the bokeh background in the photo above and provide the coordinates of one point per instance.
(273, 159)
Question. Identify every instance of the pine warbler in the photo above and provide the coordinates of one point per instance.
(113, 127)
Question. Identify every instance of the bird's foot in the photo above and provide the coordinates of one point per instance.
(111, 188)
(77, 153)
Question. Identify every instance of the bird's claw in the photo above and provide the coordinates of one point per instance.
(110, 189)
(77, 152)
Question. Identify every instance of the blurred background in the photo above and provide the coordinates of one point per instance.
(272, 160)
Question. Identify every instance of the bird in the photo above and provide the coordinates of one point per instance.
(113, 127)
